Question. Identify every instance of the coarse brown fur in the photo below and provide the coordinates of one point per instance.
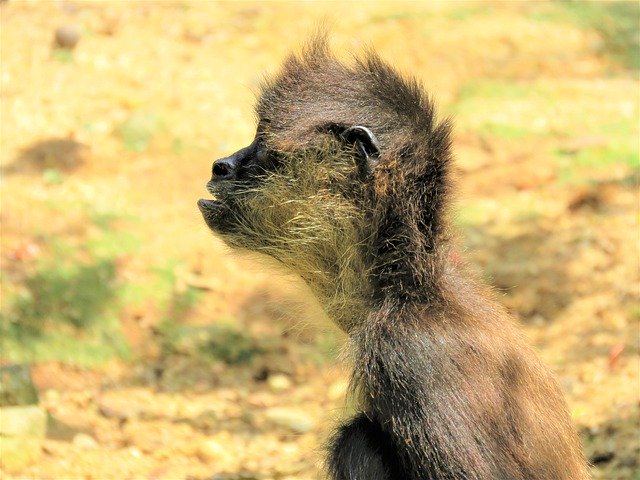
(447, 387)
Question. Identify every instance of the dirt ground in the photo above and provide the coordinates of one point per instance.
(106, 261)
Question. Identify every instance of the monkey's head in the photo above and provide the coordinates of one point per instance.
(344, 181)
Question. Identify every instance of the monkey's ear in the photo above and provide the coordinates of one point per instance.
(364, 140)
(366, 145)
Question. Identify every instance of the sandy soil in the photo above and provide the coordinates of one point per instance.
(546, 147)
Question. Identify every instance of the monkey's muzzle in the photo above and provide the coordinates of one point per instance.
(206, 205)
(212, 211)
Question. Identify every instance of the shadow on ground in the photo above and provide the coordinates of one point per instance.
(61, 154)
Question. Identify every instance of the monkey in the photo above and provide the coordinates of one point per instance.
(347, 183)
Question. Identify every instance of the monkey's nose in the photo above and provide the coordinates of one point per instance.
(224, 169)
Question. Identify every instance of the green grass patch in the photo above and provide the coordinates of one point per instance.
(634, 313)
(177, 146)
(504, 131)
(158, 288)
(89, 347)
(67, 293)
(63, 55)
(229, 344)
(398, 16)
(52, 176)
(68, 308)
(602, 157)
(105, 220)
(66, 305)
(621, 149)
(616, 22)
(467, 13)
(505, 110)
(226, 342)
(492, 89)
(472, 214)
(459, 14)
(111, 241)
(65, 311)
(139, 130)
(112, 244)
(618, 25)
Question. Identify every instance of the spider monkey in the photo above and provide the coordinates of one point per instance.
(347, 184)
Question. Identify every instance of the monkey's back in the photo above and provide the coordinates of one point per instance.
(461, 393)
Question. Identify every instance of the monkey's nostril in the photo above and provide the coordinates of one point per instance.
(221, 170)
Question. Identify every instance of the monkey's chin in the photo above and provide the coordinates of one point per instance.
(213, 213)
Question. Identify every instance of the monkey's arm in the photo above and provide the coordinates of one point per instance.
(361, 450)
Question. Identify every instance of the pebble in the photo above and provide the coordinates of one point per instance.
(279, 382)
(293, 419)
(119, 409)
(67, 36)
(26, 421)
(211, 450)
(84, 441)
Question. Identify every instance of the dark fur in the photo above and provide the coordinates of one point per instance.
(447, 387)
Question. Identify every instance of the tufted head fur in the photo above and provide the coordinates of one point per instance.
(356, 240)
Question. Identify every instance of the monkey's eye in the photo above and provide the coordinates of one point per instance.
(261, 150)
(266, 159)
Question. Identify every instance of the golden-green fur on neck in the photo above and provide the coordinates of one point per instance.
(299, 214)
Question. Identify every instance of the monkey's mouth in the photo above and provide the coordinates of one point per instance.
(210, 203)
(212, 209)
(206, 204)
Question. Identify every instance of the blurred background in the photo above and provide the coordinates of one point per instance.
(135, 346)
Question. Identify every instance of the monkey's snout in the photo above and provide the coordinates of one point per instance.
(225, 168)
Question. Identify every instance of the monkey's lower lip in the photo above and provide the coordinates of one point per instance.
(205, 204)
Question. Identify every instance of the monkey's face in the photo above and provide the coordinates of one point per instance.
(307, 206)
(273, 199)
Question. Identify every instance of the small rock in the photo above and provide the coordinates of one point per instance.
(585, 198)
(601, 457)
(119, 409)
(59, 430)
(16, 386)
(293, 419)
(84, 441)
(261, 375)
(211, 451)
(134, 452)
(22, 430)
(67, 36)
(23, 421)
(279, 382)
(206, 421)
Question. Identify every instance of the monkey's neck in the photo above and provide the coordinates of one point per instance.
(412, 278)
(409, 251)
(394, 256)
(344, 290)
(349, 293)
